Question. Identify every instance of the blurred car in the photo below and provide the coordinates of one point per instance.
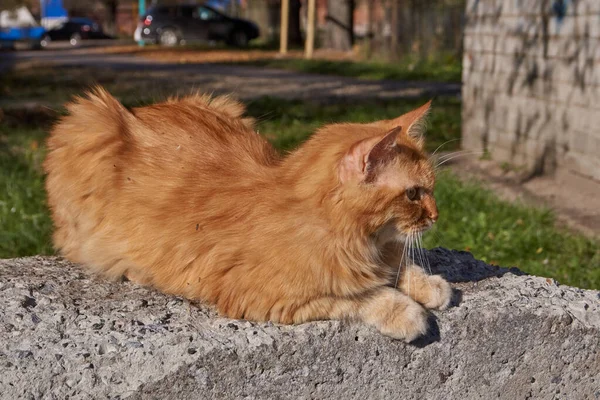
(33, 36)
(172, 25)
(74, 30)
(19, 26)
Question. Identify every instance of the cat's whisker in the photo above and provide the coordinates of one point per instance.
(439, 238)
(441, 243)
(450, 154)
(428, 264)
(425, 258)
(411, 250)
(404, 256)
(440, 146)
(412, 256)
(418, 248)
(400, 265)
(454, 153)
(264, 117)
(457, 156)
(424, 262)
(460, 152)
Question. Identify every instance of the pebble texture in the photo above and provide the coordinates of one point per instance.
(64, 334)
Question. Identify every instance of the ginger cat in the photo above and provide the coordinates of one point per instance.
(186, 197)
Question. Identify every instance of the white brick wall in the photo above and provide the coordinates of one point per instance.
(531, 83)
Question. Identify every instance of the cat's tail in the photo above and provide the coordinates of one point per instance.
(82, 168)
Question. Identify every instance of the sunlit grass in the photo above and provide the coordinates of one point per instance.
(288, 123)
(502, 233)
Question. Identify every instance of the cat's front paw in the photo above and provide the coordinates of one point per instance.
(440, 293)
(408, 322)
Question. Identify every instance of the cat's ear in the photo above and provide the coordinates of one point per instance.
(361, 162)
(413, 123)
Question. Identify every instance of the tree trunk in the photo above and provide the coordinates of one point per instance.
(340, 25)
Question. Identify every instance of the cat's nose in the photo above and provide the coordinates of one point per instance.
(430, 208)
(433, 215)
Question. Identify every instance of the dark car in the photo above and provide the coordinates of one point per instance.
(171, 25)
(74, 30)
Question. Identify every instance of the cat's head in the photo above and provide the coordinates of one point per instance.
(385, 177)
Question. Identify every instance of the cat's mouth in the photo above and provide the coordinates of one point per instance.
(423, 228)
(394, 232)
(416, 229)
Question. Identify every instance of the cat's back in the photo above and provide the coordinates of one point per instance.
(202, 131)
(103, 144)
(115, 176)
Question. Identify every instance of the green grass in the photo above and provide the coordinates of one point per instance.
(288, 123)
(472, 218)
(24, 220)
(448, 70)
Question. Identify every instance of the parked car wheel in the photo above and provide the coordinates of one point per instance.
(239, 39)
(169, 38)
(75, 39)
(44, 42)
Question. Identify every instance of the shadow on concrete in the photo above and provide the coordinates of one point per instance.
(461, 266)
(456, 266)
(432, 335)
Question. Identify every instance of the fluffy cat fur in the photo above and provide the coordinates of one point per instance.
(186, 197)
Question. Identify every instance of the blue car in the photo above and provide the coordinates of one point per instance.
(34, 36)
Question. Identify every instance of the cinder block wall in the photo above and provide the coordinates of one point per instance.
(531, 83)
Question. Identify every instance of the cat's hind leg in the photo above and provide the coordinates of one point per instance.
(393, 313)
(432, 291)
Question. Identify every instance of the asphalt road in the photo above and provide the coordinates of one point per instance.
(243, 81)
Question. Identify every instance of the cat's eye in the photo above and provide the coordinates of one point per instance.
(412, 193)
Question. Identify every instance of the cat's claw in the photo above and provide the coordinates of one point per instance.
(440, 293)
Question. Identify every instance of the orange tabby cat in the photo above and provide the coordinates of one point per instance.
(185, 196)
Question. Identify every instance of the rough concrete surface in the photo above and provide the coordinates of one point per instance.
(65, 334)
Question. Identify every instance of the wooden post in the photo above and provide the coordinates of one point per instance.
(310, 29)
(283, 27)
